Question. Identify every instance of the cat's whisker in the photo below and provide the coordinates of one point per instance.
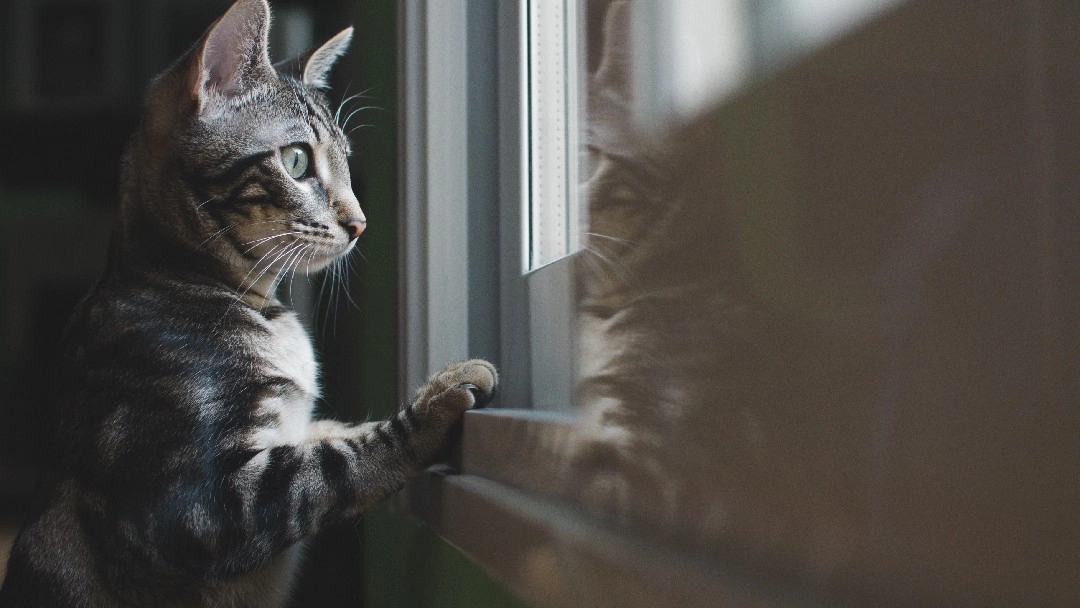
(347, 261)
(307, 266)
(278, 276)
(344, 97)
(353, 98)
(283, 269)
(613, 267)
(331, 304)
(288, 257)
(616, 239)
(271, 237)
(594, 265)
(346, 101)
(241, 290)
(286, 222)
(360, 253)
(329, 317)
(339, 275)
(244, 286)
(300, 258)
(320, 299)
(258, 242)
(263, 239)
(345, 281)
(608, 257)
(212, 237)
(228, 227)
(345, 124)
(358, 127)
(607, 263)
(287, 249)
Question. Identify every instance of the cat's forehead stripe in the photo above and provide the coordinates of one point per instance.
(313, 112)
(303, 112)
(317, 119)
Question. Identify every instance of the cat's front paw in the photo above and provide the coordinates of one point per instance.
(459, 387)
(476, 376)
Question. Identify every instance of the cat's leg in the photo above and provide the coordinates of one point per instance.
(278, 495)
(388, 452)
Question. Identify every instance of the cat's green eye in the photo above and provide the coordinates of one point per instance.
(295, 159)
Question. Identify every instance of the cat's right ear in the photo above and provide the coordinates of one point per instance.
(313, 68)
(231, 56)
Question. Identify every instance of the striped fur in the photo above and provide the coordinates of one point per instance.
(188, 469)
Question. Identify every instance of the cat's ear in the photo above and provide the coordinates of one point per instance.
(613, 73)
(231, 56)
(313, 67)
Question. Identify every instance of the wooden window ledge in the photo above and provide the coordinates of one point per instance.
(500, 510)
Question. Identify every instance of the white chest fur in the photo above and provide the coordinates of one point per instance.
(286, 353)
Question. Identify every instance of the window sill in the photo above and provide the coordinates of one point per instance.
(501, 511)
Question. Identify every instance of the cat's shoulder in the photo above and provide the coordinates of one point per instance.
(160, 306)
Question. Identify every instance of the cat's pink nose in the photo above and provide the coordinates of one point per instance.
(354, 226)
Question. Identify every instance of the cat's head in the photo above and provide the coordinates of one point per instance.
(242, 161)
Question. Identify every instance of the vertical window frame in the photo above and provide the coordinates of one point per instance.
(467, 287)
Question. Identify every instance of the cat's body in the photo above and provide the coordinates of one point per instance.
(188, 469)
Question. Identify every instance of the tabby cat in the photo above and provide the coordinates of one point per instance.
(187, 469)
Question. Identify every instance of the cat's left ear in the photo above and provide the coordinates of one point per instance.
(231, 56)
(313, 67)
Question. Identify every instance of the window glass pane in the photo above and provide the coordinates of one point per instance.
(552, 57)
(687, 55)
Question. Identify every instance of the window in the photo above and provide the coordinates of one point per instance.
(481, 248)
(790, 373)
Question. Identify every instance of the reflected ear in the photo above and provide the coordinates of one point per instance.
(313, 67)
(231, 56)
(613, 73)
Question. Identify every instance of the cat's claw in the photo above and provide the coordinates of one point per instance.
(476, 375)
(480, 397)
(461, 386)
